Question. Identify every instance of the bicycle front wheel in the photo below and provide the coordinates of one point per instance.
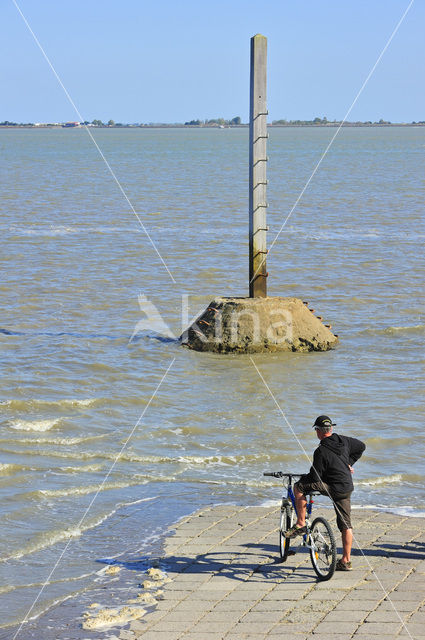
(286, 519)
(322, 548)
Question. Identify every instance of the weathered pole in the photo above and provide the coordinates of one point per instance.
(257, 168)
(258, 323)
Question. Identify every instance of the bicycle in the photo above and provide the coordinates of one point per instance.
(319, 538)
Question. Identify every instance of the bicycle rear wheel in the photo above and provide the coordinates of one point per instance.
(286, 519)
(322, 548)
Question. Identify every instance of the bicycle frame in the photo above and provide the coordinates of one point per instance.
(290, 496)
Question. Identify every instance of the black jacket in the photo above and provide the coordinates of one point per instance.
(331, 462)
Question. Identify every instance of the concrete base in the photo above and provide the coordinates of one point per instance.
(255, 325)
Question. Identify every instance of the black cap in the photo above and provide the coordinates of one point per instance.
(323, 422)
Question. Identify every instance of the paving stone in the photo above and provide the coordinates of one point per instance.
(359, 605)
(241, 636)
(324, 595)
(165, 605)
(418, 618)
(184, 616)
(250, 595)
(205, 627)
(210, 594)
(222, 616)
(210, 635)
(372, 594)
(232, 605)
(291, 628)
(382, 615)
(160, 635)
(174, 594)
(171, 626)
(192, 605)
(416, 630)
(401, 606)
(154, 616)
(252, 627)
(352, 615)
(340, 627)
(396, 596)
(385, 636)
(289, 632)
(261, 616)
(378, 629)
(273, 605)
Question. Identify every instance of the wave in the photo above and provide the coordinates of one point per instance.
(7, 469)
(377, 443)
(49, 538)
(391, 331)
(33, 585)
(84, 468)
(343, 233)
(34, 425)
(82, 490)
(149, 459)
(36, 404)
(397, 478)
(55, 441)
(61, 230)
(51, 230)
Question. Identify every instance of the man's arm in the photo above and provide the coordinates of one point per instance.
(356, 448)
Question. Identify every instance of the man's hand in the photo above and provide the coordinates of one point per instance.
(351, 468)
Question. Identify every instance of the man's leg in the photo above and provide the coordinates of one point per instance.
(347, 542)
(342, 506)
(301, 506)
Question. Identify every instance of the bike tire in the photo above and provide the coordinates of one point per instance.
(286, 517)
(322, 548)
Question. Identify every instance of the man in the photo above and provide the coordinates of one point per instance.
(331, 475)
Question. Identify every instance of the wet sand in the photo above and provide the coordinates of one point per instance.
(220, 579)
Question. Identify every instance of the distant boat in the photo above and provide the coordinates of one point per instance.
(71, 124)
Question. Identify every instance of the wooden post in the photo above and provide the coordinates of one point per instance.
(257, 168)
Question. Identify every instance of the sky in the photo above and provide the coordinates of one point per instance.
(169, 61)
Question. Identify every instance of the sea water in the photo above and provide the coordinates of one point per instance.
(99, 454)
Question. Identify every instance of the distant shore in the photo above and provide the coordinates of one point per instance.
(192, 126)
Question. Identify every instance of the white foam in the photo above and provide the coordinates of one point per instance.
(270, 503)
(396, 478)
(34, 425)
(105, 618)
(405, 511)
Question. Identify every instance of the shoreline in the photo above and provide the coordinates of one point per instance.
(329, 125)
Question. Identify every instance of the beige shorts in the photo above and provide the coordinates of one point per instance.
(341, 502)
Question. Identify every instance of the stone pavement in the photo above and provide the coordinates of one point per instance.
(226, 582)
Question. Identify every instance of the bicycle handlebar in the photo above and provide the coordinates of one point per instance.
(281, 474)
